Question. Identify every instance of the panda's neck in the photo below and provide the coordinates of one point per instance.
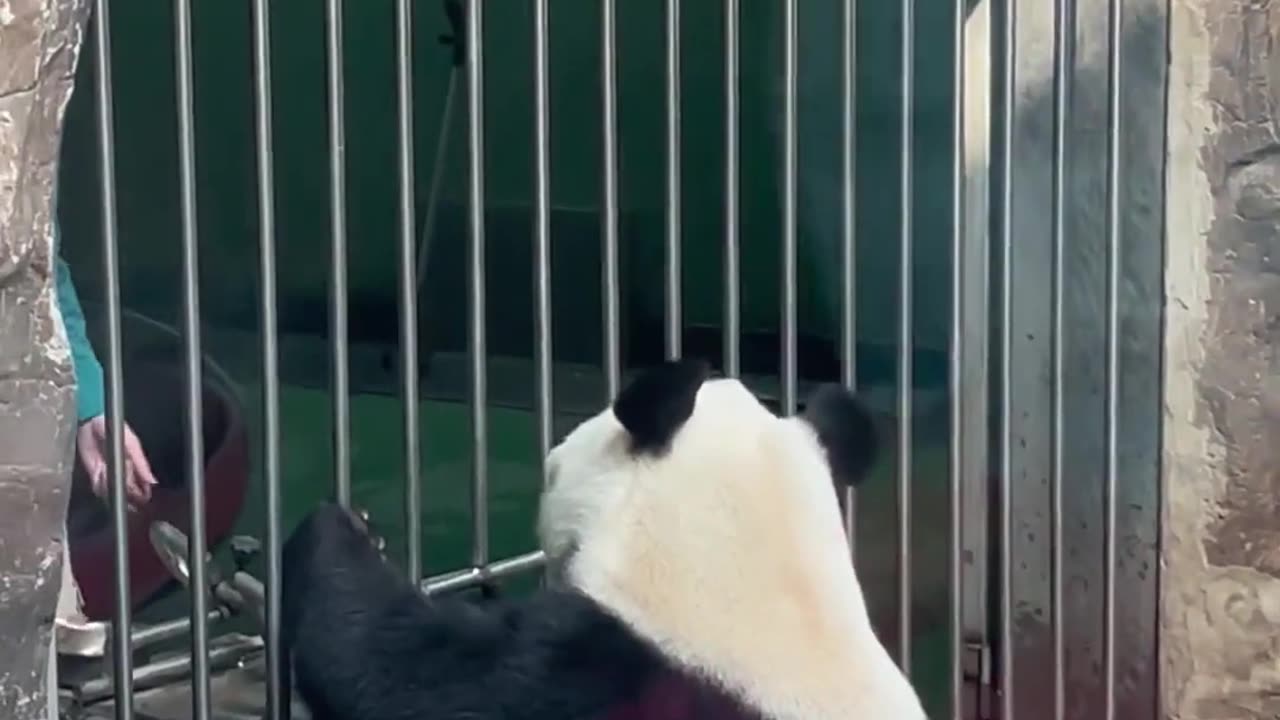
(780, 623)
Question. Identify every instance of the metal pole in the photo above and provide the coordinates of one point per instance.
(609, 135)
(956, 366)
(338, 256)
(542, 227)
(848, 234)
(905, 338)
(194, 418)
(788, 322)
(1064, 42)
(408, 299)
(475, 271)
(1006, 64)
(276, 691)
(121, 655)
(1113, 236)
(732, 241)
(673, 281)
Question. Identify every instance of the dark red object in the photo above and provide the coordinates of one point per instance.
(154, 409)
(677, 696)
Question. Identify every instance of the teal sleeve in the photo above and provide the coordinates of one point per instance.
(90, 399)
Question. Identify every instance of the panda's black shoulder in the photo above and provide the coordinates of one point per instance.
(365, 643)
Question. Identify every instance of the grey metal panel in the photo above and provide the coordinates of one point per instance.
(1142, 143)
(1028, 373)
(976, 308)
(1083, 408)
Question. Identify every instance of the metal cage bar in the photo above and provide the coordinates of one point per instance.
(848, 232)
(408, 293)
(1115, 30)
(338, 323)
(674, 309)
(277, 691)
(1003, 58)
(194, 401)
(788, 366)
(542, 226)
(476, 325)
(121, 651)
(955, 374)
(905, 337)
(732, 322)
(609, 203)
(1064, 42)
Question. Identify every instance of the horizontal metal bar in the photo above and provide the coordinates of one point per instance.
(171, 669)
(154, 634)
(459, 580)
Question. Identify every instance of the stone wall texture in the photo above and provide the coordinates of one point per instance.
(1220, 635)
(39, 43)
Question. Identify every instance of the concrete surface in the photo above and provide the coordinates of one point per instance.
(39, 42)
(1220, 625)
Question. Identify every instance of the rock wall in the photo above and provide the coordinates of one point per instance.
(39, 43)
(1220, 635)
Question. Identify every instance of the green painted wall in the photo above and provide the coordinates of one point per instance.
(147, 158)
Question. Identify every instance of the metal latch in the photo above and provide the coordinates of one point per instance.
(979, 694)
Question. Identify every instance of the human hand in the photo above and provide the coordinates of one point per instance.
(91, 446)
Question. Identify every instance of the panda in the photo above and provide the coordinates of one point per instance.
(697, 568)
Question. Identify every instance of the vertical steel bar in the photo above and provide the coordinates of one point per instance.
(732, 244)
(1064, 39)
(1115, 11)
(475, 269)
(408, 293)
(609, 135)
(674, 310)
(339, 359)
(905, 337)
(276, 691)
(955, 366)
(121, 651)
(848, 217)
(542, 225)
(978, 499)
(1006, 64)
(194, 425)
(787, 365)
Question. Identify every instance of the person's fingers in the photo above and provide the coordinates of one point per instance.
(137, 490)
(98, 480)
(93, 462)
(141, 466)
(138, 493)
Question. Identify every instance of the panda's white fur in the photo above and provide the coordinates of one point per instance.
(726, 552)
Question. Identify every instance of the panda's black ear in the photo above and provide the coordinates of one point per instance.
(845, 430)
(658, 401)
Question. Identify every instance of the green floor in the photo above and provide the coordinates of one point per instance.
(377, 484)
(377, 472)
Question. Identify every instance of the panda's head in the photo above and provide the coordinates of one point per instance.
(711, 527)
